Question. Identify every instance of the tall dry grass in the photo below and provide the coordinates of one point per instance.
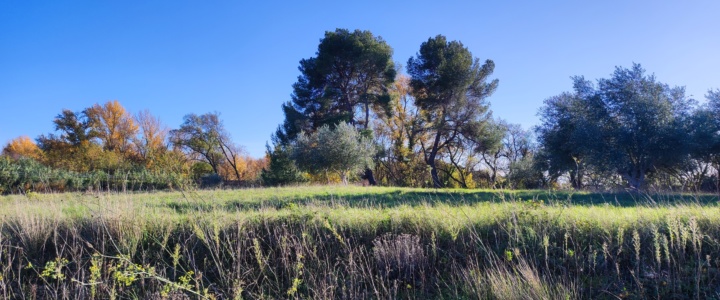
(122, 245)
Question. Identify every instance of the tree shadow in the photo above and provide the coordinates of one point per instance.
(431, 197)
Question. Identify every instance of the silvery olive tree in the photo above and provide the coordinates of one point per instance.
(340, 150)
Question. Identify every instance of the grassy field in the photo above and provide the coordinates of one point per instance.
(329, 242)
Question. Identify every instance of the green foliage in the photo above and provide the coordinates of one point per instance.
(74, 127)
(628, 124)
(54, 269)
(25, 175)
(450, 87)
(281, 168)
(351, 70)
(341, 150)
(525, 175)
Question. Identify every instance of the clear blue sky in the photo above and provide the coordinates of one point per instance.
(241, 57)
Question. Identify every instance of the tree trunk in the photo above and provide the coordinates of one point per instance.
(717, 182)
(434, 174)
(635, 179)
(367, 115)
(576, 179)
(370, 177)
(431, 162)
(343, 177)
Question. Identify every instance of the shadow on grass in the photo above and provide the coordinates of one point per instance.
(411, 197)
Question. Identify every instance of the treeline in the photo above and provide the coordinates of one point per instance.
(103, 147)
(631, 130)
(354, 114)
(434, 128)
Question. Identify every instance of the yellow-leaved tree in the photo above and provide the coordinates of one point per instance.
(399, 132)
(150, 143)
(113, 125)
(22, 147)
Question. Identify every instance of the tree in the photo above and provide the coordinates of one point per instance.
(491, 151)
(565, 143)
(22, 147)
(347, 80)
(399, 135)
(73, 148)
(704, 140)
(704, 148)
(713, 98)
(74, 129)
(628, 124)
(204, 136)
(351, 73)
(450, 87)
(280, 169)
(113, 125)
(340, 150)
(152, 137)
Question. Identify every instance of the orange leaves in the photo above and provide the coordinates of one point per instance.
(113, 125)
(22, 147)
(152, 137)
(247, 167)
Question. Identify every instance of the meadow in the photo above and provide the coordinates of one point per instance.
(350, 242)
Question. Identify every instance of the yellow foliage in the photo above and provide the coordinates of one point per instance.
(248, 167)
(330, 178)
(113, 125)
(151, 142)
(22, 147)
(468, 176)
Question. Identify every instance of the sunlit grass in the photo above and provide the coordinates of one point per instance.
(478, 243)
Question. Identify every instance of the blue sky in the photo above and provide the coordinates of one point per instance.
(240, 58)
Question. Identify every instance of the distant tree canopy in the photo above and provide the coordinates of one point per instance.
(104, 146)
(22, 147)
(629, 124)
(113, 125)
(204, 138)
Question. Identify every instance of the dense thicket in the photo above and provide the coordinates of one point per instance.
(26, 175)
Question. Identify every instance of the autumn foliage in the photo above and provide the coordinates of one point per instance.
(22, 147)
(105, 146)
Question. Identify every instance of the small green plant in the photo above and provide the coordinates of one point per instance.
(54, 269)
(293, 289)
(326, 224)
(95, 273)
(508, 255)
(258, 254)
(183, 283)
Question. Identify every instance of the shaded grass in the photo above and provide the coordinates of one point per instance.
(353, 196)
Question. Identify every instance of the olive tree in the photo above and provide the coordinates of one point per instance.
(340, 150)
(629, 124)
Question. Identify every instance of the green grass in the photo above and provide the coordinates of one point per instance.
(361, 242)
